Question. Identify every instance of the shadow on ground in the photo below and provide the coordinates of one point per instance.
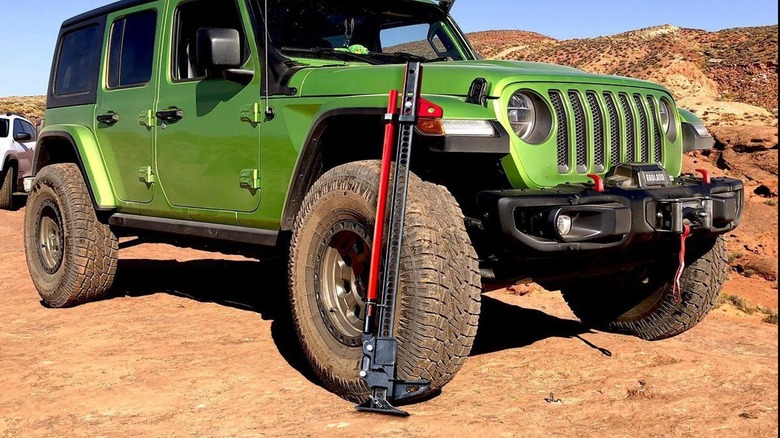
(505, 326)
(261, 287)
(18, 202)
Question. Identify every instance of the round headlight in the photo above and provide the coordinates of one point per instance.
(666, 116)
(667, 120)
(522, 114)
(529, 116)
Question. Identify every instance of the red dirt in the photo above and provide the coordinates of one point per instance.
(193, 344)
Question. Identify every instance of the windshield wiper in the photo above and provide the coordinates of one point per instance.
(342, 55)
(414, 57)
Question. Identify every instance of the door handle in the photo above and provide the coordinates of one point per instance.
(109, 118)
(170, 115)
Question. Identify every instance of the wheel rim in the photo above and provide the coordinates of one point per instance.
(342, 273)
(653, 296)
(50, 238)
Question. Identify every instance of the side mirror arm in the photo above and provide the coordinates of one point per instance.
(239, 76)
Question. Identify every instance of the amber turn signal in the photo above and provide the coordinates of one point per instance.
(430, 127)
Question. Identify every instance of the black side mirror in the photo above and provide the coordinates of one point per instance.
(23, 136)
(218, 49)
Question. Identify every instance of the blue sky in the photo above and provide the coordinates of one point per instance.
(28, 28)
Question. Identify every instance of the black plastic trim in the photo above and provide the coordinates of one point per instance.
(230, 233)
(478, 92)
(104, 10)
(303, 173)
(499, 207)
(281, 67)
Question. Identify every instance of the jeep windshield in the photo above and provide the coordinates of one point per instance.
(374, 32)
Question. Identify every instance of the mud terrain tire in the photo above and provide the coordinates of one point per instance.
(643, 304)
(439, 294)
(7, 188)
(71, 255)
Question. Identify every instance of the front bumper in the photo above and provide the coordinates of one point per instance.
(614, 218)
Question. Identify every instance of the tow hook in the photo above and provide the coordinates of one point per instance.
(705, 176)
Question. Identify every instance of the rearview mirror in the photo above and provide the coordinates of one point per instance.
(218, 49)
(22, 136)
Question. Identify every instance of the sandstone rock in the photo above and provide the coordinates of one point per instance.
(745, 138)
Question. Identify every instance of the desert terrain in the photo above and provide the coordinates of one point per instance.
(193, 344)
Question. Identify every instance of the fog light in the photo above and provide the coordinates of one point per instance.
(563, 223)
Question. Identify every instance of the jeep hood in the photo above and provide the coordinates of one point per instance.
(444, 78)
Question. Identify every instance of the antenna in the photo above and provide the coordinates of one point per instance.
(269, 112)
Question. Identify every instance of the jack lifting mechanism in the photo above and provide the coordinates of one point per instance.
(380, 347)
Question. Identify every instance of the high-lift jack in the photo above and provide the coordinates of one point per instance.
(380, 347)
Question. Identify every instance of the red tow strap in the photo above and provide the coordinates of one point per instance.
(677, 288)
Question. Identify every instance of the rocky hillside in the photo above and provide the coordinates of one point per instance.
(697, 66)
(31, 107)
(504, 44)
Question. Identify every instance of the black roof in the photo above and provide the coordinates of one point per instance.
(122, 4)
(104, 10)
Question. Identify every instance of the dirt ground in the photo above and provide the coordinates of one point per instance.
(194, 344)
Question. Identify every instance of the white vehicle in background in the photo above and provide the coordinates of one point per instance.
(17, 147)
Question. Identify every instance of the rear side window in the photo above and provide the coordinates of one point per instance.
(3, 128)
(132, 50)
(77, 64)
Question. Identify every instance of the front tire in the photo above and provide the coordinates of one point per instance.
(642, 302)
(71, 255)
(439, 293)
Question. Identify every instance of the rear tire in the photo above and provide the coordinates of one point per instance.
(72, 257)
(642, 303)
(439, 293)
(7, 188)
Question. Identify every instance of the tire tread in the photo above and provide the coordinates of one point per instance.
(91, 249)
(701, 284)
(439, 298)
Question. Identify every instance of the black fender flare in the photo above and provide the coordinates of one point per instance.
(306, 172)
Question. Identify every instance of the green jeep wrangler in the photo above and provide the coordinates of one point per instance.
(257, 128)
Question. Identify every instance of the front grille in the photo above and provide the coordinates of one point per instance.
(644, 146)
(656, 124)
(581, 131)
(563, 131)
(614, 129)
(598, 130)
(599, 144)
(630, 128)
